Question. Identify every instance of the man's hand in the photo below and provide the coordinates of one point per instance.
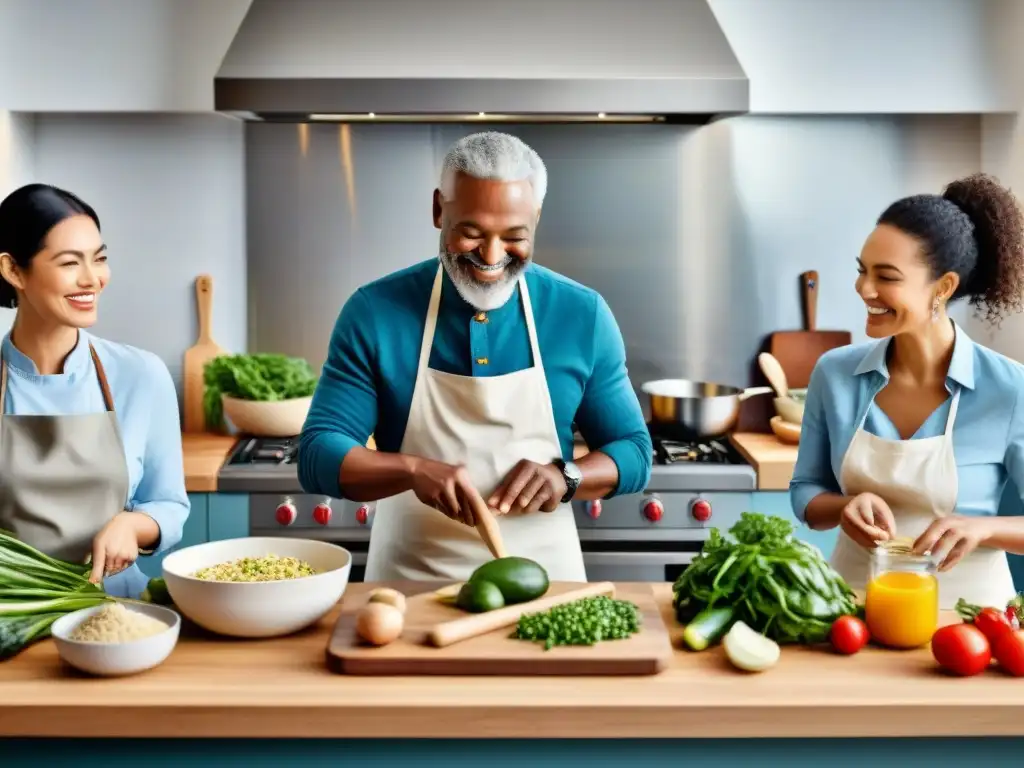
(868, 520)
(448, 489)
(116, 546)
(529, 487)
(955, 535)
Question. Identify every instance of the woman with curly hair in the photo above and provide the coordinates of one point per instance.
(914, 435)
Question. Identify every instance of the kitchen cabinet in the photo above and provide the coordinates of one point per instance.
(229, 516)
(195, 533)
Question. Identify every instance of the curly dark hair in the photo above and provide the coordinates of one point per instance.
(975, 229)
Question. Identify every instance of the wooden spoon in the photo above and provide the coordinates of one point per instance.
(772, 369)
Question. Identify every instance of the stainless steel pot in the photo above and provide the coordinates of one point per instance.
(697, 409)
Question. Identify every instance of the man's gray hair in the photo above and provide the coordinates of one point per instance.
(497, 156)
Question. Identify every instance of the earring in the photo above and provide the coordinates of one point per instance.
(935, 311)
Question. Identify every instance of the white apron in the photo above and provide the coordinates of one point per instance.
(487, 424)
(918, 480)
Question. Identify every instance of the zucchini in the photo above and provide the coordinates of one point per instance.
(708, 627)
(518, 579)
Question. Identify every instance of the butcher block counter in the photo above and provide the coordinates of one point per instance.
(204, 454)
(771, 459)
(281, 688)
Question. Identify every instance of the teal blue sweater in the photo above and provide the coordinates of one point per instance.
(367, 381)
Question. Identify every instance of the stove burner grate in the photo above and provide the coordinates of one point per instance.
(694, 452)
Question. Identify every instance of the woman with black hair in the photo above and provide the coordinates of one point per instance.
(90, 442)
(915, 435)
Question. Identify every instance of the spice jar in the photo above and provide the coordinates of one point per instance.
(902, 602)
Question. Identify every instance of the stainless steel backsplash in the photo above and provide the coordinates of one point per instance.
(694, 235)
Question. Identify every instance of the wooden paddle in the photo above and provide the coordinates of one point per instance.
(197, 356)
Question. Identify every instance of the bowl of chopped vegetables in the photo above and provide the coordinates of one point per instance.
(257, 586)
(116, 638)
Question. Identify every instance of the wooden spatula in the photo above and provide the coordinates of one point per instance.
(197, 356)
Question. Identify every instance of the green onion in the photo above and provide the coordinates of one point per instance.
(35, 591)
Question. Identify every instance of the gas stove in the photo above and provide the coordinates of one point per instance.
(647, 536)
(269, 464)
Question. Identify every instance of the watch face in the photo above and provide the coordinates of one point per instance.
(573, 472)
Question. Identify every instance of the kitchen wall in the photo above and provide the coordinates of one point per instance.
(170, 193)
(16, 168)
(695, 236)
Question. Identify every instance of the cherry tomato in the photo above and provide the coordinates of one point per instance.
(963, 649)
(1011, 617)
(1008, 648)
(992, 623)
(848, 634)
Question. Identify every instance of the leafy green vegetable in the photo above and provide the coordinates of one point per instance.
(775, 583)
(35, 591)
(260, 377)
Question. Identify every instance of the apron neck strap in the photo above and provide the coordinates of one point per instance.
(431, 324)
(951, 418)
(101, 375)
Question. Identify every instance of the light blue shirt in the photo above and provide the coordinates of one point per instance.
(146, 406)
(988, 433)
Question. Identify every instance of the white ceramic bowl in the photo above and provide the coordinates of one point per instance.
(279, 418)
(260, 608)
(114, 659)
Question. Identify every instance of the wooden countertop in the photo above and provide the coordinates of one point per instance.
(212, 687)
(772, 459)
(204, 455)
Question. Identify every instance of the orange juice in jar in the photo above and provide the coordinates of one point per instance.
(901, 607)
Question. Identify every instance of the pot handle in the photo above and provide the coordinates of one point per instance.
(753, 391)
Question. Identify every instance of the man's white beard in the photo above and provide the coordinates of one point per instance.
(485, 297)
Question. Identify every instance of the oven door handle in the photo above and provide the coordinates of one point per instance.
(613, 559)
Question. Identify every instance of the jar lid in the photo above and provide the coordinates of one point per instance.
(901, 548)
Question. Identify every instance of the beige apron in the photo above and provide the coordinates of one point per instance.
(487, 424)
(62, 478)
(918, 480)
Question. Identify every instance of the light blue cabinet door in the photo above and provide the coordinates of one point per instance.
(777, 503)
(229, 516)
(195, 533)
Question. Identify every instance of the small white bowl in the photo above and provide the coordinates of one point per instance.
(114, 659)
(257, 608)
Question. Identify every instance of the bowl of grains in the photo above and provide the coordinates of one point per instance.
(257, 586)
(116, 638)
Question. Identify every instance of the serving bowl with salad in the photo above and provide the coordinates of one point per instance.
(257, 586)
(267, 395)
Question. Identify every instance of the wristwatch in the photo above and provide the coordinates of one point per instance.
(572, 476)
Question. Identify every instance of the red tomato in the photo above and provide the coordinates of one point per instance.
(1011, 617)
(848, 634)
(963, 649)
(1008, 648)
(992, 623)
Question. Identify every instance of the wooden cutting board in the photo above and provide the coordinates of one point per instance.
(197, 356)
(798, 351)
(645, 653)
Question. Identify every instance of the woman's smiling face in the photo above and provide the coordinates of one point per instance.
(62, 285)
(896, 283)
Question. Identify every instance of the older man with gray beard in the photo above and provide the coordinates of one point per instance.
(470, 373)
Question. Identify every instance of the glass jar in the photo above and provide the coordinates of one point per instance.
(901, 607)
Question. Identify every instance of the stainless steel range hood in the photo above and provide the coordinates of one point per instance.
(476, 59)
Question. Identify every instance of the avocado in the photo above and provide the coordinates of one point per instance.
(479, 596)
(518, 578)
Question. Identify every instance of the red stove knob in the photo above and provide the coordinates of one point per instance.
(322, 512)
(286, 513)
(701, 510)
(362, 514)
(653, 510)
(594, 508)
